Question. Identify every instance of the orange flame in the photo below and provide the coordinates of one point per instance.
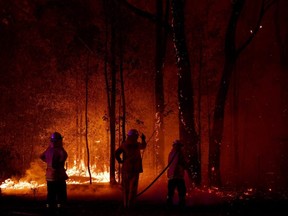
(76, 176)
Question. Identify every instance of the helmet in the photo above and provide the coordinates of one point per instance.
(56, 137)
(177, 143)
(133, 132)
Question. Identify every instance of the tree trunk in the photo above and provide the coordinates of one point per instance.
(122, 120)
(185, 93)
(220, 102)
(235, 131)
(217, 128)
(111, 92)
(122, 85)
(161, 39)
(86, 119)
(231, 55)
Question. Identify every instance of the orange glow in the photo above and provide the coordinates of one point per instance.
(11, 184)
(76, 176)
(83, 172)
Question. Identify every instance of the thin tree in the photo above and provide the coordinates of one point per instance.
(161, 43)
(122, 119)
(89, 52)
(122, 84)
(163, 30)
(86, 117)
(231, 56)
(110, 8)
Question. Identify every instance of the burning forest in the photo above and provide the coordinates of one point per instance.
(213, 75)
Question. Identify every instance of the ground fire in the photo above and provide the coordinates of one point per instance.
(35, 178)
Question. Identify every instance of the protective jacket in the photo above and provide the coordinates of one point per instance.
(178, 165)
(55, 157)
(131, 158)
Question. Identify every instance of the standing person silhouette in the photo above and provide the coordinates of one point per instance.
(131, 165)
(176, 173)
(55, 156)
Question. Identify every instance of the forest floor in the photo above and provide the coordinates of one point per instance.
(104, 199)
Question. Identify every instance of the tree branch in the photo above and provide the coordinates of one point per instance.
(145, 14)
(266, 4)
(138, 11)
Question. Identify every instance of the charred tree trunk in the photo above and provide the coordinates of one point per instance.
(107, 118)
(86, 119)
(217, 128)
(161, 39)
(77, 158)
(218, 118)
(187, 129)
(122, 84)
(111, 88)
(282, 41)
(231, 55)
(123, 101)
(235, 124)
(112, 112)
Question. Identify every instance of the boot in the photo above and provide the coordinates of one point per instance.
(50, 210)
(182, 202)
(169, 202)
(59, 209)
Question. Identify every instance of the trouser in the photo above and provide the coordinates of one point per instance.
(178, 184)
(56, 193)
(130, 186)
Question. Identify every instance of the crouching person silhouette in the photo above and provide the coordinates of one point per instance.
(176, 173)
(55, 156)
(129, 155)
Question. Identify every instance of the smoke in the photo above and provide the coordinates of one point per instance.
(35, 173)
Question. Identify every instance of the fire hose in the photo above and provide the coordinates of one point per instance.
(161, 173)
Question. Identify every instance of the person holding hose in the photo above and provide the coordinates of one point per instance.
(176, 173)
(129, 155)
